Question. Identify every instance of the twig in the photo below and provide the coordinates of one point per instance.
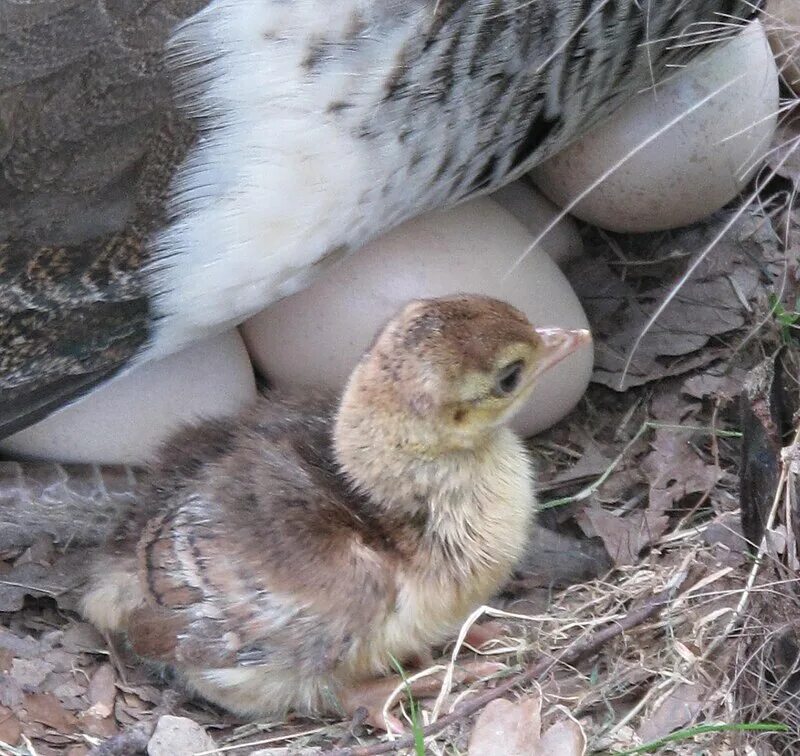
(569, 656)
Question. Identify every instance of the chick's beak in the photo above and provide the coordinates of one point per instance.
(558, 343)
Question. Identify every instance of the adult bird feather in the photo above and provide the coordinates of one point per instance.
(168, 167)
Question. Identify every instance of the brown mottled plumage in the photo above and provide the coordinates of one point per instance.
(281, 559)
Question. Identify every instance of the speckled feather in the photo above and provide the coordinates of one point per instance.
(321, 126)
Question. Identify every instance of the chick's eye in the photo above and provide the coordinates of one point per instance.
(508, 378)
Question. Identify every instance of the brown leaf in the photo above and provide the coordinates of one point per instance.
(99, 727)
(675, 470)
(10, 691)
(41, 552)
(565, 738)
(725, 534)
(10, 728)
(102, 691)
(717, 381)
(592, 463)
(30, 673)
(506, 728)
(48, 710)
(624, 537)
(678, 709)
(713, 302)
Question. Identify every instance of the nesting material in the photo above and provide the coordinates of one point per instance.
(125, 420)
(695, 166)
(315, 337)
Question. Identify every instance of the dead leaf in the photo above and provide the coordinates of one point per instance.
(564, 737)
(624, 537)
(508, 728)
(46, 709)
(24, 648)
(178, 736)
(725, 535)
(717, 381)
(11, 694)
(593, 462)
(99, 727)
(10, 727)
(30, 673)
(102, 691)
(41, 552)
(678, 709)
(675, 470)
(713, 302)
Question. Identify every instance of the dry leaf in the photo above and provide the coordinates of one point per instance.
(102, 691)
(623, 537)
(10, 727)
(30, 673)
(715, 301)
(675, 470)
(678, 709)
(48, 710)
(718, 381)
(725, 535)
(564, 737)
(593, 462)
(506, 728)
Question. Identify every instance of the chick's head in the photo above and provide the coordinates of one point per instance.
(466, 363)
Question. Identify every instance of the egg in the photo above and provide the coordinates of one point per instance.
(315, 338)
(563, 242)
(692, 169)
(125, 420)
(782, 19)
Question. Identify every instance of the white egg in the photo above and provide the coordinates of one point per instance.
(782, 19)
(124, 421)
(315, 337)
(563, 242)
(693, 168)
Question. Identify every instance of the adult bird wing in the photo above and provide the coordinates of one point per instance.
(130, 226)
(89, 137)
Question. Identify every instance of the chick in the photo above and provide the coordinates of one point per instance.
(284, 558)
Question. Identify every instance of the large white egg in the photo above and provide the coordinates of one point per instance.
(124, 421)
(782, 19)
(563, 242)
(692, 169)
(315, 337)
